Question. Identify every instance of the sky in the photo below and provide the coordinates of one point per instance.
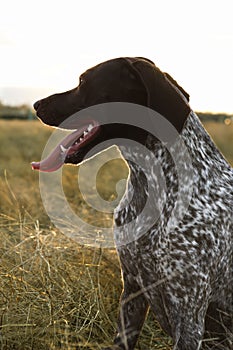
(45, 45)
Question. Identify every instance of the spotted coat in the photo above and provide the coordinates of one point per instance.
(181, 269)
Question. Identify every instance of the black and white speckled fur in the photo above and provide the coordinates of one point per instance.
(183, 273)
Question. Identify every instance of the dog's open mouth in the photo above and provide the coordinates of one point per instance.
(68, 147)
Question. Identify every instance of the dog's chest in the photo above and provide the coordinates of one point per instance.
(142, 204)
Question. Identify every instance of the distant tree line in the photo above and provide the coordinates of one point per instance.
(216, 117)
(22, 112)
(25, 112)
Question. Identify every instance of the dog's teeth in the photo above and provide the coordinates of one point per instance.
(63, 149)
(81, 138)
(90, 127)
(85, 133)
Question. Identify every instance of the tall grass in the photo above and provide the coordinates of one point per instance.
(55, 293)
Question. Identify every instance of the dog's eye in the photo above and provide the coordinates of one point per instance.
(81, 80)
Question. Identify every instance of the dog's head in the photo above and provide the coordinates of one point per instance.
(132, 80)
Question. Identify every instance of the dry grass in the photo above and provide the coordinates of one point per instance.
(52, 293)
(56, 294)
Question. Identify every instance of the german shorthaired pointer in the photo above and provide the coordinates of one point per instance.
(183, 272)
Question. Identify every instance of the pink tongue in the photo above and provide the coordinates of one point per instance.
(57, 157)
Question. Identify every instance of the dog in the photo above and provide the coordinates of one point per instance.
(180, 269)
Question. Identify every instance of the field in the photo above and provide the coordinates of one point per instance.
(56, 293)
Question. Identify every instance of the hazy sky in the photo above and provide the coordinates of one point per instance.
(47, 44)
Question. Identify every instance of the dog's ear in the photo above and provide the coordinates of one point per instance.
(164, 95)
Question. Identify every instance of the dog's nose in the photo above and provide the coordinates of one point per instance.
(36, 105)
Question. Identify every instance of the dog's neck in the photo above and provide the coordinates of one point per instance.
(156, 174)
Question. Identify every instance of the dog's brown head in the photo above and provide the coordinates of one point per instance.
(132, 80)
